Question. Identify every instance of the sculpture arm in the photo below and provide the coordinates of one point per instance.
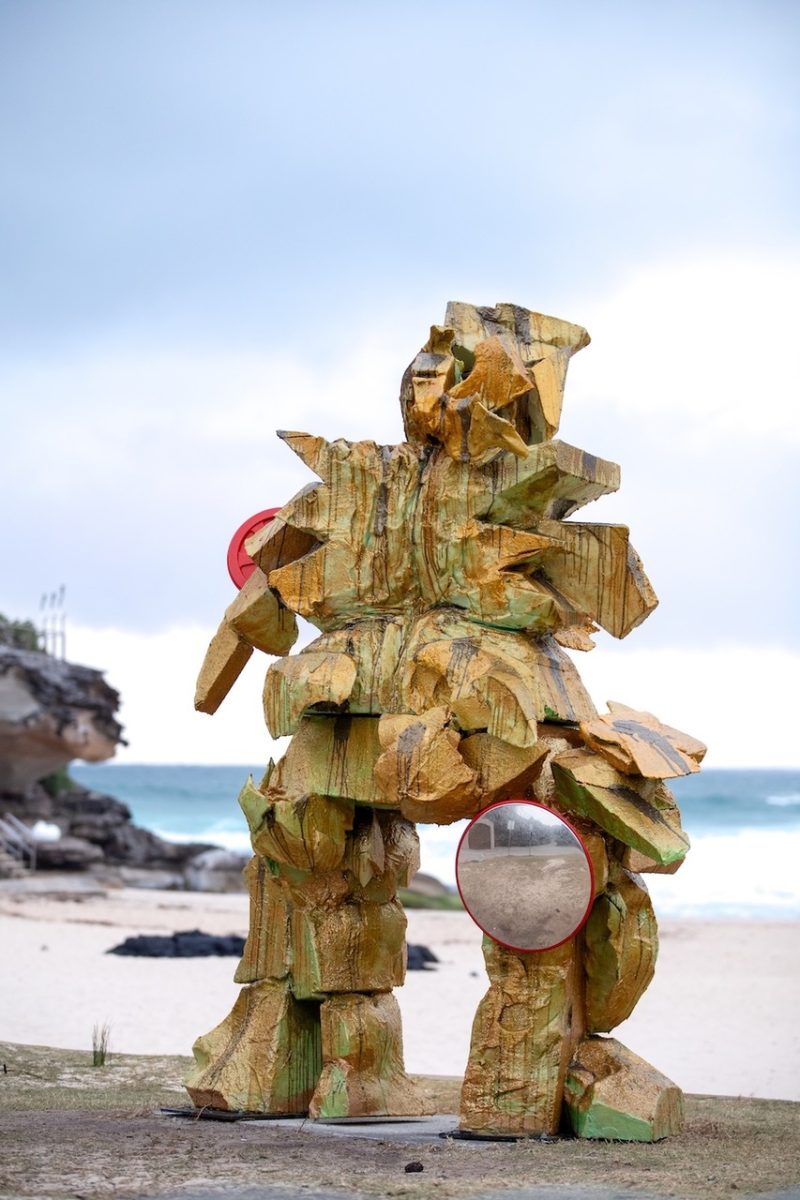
(256, 619)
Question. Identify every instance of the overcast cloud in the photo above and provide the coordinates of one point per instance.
(223, 219)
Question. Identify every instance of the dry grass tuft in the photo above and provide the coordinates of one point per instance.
(100, 1039)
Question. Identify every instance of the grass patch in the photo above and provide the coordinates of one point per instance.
(100, 1039)
(450, 902)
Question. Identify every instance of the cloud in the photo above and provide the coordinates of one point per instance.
(706, 342)
(739, 700)
(133, 465)
(155, 675)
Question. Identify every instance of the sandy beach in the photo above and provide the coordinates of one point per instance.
(719, 1018)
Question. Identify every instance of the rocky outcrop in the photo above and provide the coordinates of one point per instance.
(97, 829)
(51, 712)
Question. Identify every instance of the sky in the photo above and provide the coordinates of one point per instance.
(221, 219)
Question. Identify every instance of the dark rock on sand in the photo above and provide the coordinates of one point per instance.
(191, 943)
(420, 957)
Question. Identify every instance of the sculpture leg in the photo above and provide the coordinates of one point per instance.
(362, 1051)
(264, 1057)
(352, 955)
(523, 1037)
(611, 1092)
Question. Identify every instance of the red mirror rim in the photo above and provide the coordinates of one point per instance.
(240, 564)
(582, 844)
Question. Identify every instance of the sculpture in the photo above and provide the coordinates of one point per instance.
(445, 580)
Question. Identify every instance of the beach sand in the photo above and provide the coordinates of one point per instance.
(719, 1018)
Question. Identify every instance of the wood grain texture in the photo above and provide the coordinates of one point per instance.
(266, 1056)
(624, 806)
(611, 1093)
(523, 1036)
(362, 1051)
(353, 947)
(637, 743)
(621, 944)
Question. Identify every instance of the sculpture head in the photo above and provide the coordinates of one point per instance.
(489, 380)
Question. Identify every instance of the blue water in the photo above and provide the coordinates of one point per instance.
(744, 826)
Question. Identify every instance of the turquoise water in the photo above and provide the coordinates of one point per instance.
(744, 826)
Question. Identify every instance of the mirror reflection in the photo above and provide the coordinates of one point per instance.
(524, 875)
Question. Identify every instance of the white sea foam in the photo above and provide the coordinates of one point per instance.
(750, 873)
(786, 801)
(229, 839)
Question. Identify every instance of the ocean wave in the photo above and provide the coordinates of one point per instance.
(786, 801)
(751, 873)
(748, 874)
(228, 839)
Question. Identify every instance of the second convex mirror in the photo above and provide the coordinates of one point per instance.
(524, 875)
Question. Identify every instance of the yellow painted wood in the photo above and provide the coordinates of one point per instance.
(621, 944)
(265, 1057)
(637, 743)
(523, 1035)
(612, 1094)
(362, 1050)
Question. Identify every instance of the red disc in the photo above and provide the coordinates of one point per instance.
(240, 564)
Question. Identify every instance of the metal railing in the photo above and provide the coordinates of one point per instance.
(17, 839)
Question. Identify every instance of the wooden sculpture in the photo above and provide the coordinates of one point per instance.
(445, 579)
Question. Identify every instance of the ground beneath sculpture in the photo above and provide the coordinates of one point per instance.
(69, 1130)
(526, 900)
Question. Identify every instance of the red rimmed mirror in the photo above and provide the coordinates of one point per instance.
(524, 875)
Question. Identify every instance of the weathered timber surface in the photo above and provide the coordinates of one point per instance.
(621, 942)
(625, 806)
(637, 743)
(266, 1056)
(523, 1036)
(611, 1093)
(362, 1046)
(445, 578)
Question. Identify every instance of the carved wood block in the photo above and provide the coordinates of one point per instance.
(302, 681)
(349, 948)
(259, 619)
(621, 942)
(308, 833)
(623, 805)
(384, 838)
(421, 770)
(611, 1093)
(362, 1049)
(637, 743)
(332, 756)
(225, 659)
(501, 770)
(266, 1056)
(523, 1036)
(266, 951)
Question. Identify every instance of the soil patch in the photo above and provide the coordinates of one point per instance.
(528, 899)
(67, 1129)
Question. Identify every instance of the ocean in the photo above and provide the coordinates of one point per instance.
(744, 826)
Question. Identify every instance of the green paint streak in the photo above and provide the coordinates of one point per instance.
(335, 1102)
(600, 1121)
(253, 804)
(630, 818)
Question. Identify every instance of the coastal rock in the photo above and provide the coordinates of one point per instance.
(68, 854)
(192, 943)
(51, 712)
(102, 821)
(215, 870)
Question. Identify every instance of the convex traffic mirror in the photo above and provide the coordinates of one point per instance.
(524, 875)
